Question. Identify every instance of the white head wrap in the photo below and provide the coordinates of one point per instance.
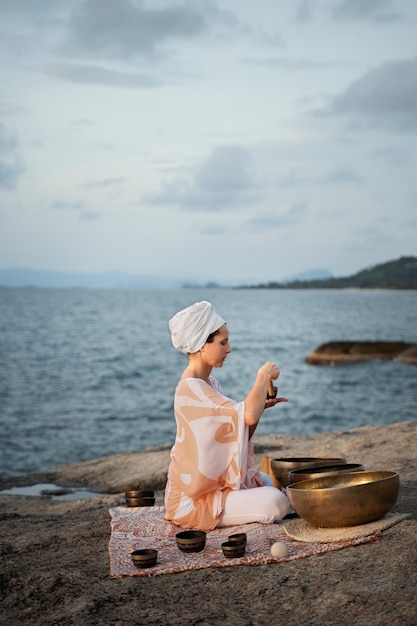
(191, 327)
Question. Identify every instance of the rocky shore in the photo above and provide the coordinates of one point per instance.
(55, 565)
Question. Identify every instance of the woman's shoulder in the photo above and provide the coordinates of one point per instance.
(190, 382)
(213, 382)
(204, 391)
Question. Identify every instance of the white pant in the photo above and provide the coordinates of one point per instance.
(261, 504)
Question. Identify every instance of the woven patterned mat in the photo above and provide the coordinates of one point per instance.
(301, 530)
(138, 528)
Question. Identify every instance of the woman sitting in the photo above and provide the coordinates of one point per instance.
(211, 480)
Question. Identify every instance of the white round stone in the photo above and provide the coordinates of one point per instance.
(279, 549)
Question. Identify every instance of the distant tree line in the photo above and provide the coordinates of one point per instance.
(398, 274)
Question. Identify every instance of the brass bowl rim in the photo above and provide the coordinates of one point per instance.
(140, 493)
(233, 548)
(324, 468)
(140, 502)
(144, 554)
(144, 557)
(238, 538)
(232, 545)
(147, 499)
(313, 484)
(191, 540)
(191, 535)
(305, 459)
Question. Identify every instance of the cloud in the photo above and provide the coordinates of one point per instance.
(375, 10)
(303, 13)
(342, 176)
(289, 65)
(11, 166)
(82, 124)
(352, 10)
(394, 155)
(294, 178)
(9, 108)
(45, 11)
(76, 206)
(105, 183)
(223, 181)
(91, 74)
(278, 220)
(122, 29)
(90, 215)
(384, 98)
(29, 29)
(338, 176)
(63, 205)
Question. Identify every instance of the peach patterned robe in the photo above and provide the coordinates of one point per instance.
(211, 456)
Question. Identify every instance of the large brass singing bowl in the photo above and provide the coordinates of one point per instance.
(345, 499)
(281, 467)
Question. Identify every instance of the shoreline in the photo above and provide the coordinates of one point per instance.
(55, 564)
(146, 469)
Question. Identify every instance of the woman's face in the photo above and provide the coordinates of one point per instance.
(215, 353)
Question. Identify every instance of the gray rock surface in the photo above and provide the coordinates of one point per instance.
(55, 564)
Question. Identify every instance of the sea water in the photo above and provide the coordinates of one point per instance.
(89, 373)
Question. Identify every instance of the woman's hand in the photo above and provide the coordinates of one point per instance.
(269, 370)
(274, 401)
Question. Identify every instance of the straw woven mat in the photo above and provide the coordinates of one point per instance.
(137, 528)
(300, 530)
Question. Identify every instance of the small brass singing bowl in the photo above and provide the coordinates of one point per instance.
(345, 499)
(145, 493)
(238, 538)
(308, 473)
(144, 558)
(282, 466)
(191, 540)
(233, 549)
(140, 501)
(272, 392)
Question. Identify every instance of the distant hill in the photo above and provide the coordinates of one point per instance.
(25, 277)
(398, 274)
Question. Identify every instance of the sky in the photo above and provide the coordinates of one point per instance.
(228, 140)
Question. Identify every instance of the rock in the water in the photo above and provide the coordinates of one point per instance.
(340, 352)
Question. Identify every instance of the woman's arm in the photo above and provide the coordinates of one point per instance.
(268, 404)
